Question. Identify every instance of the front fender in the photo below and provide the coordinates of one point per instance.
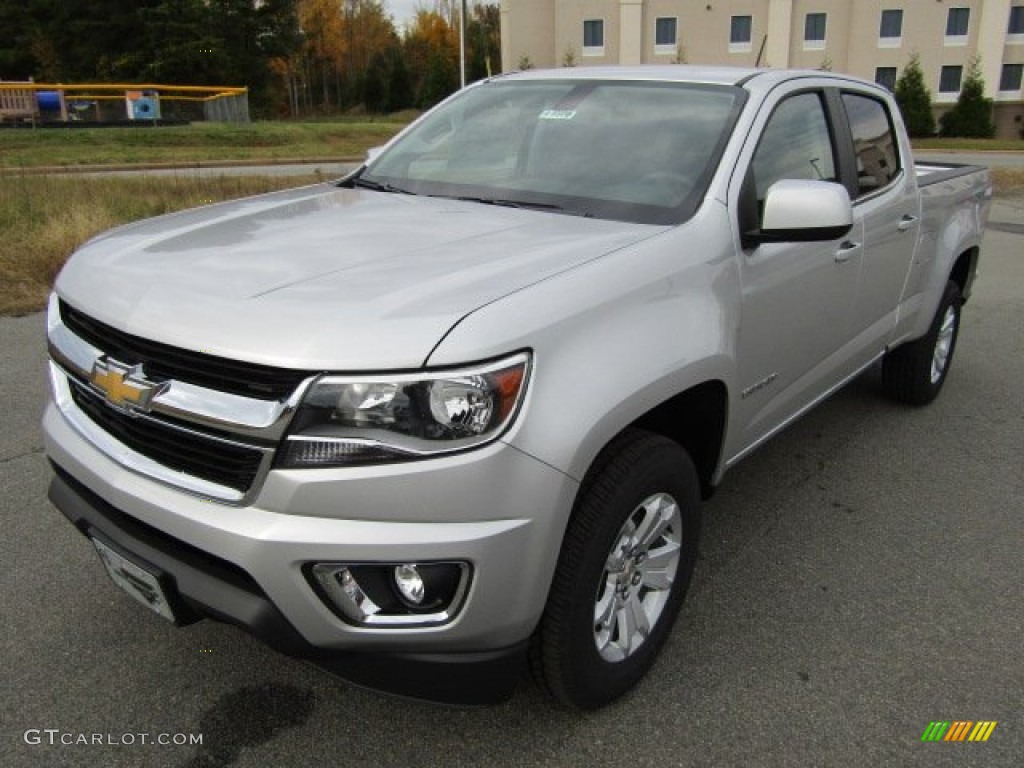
(613, 338)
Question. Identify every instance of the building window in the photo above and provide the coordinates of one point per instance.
(949, 79)
(665, 28)
(1011, 76)
(1016, 26)
(593, 37)
(739, 31)
(958, 21)
(886, 77)
(890, 29)
(814, 31)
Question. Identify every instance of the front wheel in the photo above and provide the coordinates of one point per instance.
(625, 566)
(915, 372)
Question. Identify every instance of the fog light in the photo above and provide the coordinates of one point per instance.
(409, 583)
(386, 595)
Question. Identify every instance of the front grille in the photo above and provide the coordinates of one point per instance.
(226, 464)
(162, 362)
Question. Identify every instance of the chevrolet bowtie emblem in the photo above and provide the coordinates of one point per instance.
(124, 387)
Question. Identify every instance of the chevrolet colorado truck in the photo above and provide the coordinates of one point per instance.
(455, 413)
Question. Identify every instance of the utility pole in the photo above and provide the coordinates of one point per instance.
(462, 45)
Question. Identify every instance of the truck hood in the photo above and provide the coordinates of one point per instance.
(324, 278)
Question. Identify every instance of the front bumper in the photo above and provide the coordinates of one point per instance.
(497, 508)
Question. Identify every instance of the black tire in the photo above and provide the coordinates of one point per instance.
(914, 372)
(637, 467)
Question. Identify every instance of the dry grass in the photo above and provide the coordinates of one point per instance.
(1008, 182)
(44, 218)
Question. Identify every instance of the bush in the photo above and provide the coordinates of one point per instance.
(972, 116)
(915, 100)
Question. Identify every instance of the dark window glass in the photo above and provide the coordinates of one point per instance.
(665, 31)
(891, 24)
(796, 144)
(1016, 26)
(814, 26)
(874, 142)
(949, 79)
(957, 21)
(593, 33)
(886, 76)
(1010, 78)
(739, 31)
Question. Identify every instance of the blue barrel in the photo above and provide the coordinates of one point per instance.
(49, 101)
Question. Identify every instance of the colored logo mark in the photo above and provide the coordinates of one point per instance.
(958, 730)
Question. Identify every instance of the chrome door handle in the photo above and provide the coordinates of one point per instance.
(906, 223)
(845, 250)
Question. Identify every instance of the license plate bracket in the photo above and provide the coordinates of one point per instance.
(142, 583)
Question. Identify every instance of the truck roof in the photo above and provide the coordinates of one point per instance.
(682, 73)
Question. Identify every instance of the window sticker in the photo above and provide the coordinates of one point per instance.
(558, 114)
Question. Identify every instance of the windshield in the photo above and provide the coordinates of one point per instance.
(641, 152)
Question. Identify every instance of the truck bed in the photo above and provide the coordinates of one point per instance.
(933, 173)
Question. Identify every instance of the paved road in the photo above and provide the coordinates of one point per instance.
(860, 577)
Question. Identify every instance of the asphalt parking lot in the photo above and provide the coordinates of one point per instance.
(861, 576)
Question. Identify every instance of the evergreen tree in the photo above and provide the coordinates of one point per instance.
(375, 87)
(400, 93)
(180, 44)
(440, 81)
(915, 100)
(972, 115)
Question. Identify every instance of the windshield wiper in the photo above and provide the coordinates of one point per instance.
(522, 204)
(378, 186)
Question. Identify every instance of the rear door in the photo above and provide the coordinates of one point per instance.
(888, 202)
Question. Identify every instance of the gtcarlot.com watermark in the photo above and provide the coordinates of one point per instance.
(55, 737)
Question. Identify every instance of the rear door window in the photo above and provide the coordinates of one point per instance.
(874, 142)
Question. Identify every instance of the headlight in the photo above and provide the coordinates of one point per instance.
(346, 420)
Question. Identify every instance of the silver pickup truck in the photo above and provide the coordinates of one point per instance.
(458, 411)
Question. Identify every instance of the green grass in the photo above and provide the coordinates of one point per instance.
(44, 218)
(196, 143)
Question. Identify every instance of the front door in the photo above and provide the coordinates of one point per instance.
(798, 298)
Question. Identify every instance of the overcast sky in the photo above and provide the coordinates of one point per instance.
(402, 11)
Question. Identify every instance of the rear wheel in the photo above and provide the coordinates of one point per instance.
(915, 372)
(625, 566)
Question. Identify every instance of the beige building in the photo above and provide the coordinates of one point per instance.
(872, 39)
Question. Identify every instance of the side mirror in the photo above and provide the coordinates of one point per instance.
(797, 210)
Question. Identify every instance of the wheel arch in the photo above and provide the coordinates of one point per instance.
(963, 271)
(960, 270)
(695, 419)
